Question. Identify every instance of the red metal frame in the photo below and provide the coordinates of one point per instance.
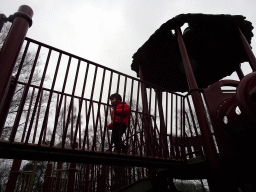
(208, 143)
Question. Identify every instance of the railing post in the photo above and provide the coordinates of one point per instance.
(15, 171)
(12, 46)
(72, 174)
(208, 143)
(163, 129)
(58, 177)
(150, 144)
(48, 178)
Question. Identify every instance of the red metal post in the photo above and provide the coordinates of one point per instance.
(251, 57)
(12, 46)
(148, 127)
(240, 73)
(71, 176)
(218, 179)
(102, 179)
(146, 118)
(15, 171)
(72, 173)
(163, 130)
(48, 178)
(208, 143)
(58, 176)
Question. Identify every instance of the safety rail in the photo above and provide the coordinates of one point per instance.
(57, 99)
(91, 177)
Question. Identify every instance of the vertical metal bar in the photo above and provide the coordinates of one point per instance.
(208, 143)
(98, 112)
(45, 121)
(71, 175)
(32, 177)
(40, 92)
(151, 127)
(106, 113)
(182, 124)
(177, 142)
(64, 117)
(150, 98)
(11, 48)
(58, 176)
(23, 100)
(60, 102)
(72, 122)
(199, 143)
(80, 134)
(27, 118)
(11, 184)
(114, 115)
(171, 133)
(71, 108)
(81, 104)
(48, 178)
(148, 132)
(163, 128)
(251, 56)
(141, 131)
(130, 113)
(91, 102)
(192, 117)
(240, 73)
(40, 88)
(125, 83)
(156, 127)
(136, 119)
(166, 115)
(86, 135)
(101, 131)
(93, 124)
(38, 114)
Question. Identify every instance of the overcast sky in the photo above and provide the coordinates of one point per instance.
(110, 32)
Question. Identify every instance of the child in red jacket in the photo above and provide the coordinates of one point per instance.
(119, 123)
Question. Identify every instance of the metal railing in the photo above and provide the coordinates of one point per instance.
(57, 99)
(91, 177)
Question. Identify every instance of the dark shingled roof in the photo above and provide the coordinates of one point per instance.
(213, 45)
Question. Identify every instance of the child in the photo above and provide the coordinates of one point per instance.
(119, 123)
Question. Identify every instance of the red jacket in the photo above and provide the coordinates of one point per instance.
(121, 115)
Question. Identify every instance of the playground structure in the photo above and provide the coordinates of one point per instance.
(63, 111)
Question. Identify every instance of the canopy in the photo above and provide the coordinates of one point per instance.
(213, 45)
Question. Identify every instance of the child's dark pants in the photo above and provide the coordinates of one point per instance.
(117, 132)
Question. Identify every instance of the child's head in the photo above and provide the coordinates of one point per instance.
(115, 97)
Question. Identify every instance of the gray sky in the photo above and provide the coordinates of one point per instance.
(110, 32)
